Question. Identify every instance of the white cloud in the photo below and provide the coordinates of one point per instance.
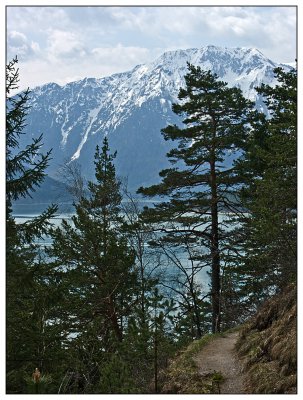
(155, 22)
(99, 62)
(98, 41)
(16, 38)
(121, 57)
(19, 45)
(280, 31)
(37, 19)
(271, 29)
(65, 44)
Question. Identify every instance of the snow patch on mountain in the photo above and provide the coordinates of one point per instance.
(92, 116)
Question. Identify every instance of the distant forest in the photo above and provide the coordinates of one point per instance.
(122, 289)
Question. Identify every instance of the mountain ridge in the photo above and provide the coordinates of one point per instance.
(132, 107)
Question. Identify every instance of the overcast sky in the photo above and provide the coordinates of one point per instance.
(62, 44)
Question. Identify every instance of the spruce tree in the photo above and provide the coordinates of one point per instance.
(270, 195)
(201, 181)
(27, 299)
(96, 266)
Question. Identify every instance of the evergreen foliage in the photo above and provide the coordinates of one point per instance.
(270, 195)
(109, 290)
(93, 258)
(28, 338)
(119, 291)
(199, 185)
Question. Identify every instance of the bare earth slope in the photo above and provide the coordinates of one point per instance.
(219, 355)
(268, 346)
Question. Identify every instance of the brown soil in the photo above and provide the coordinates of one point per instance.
(219, 355)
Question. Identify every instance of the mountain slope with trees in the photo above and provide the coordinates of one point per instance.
(268, 345)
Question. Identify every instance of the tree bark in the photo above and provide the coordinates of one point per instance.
(114, 319)
(215, 255)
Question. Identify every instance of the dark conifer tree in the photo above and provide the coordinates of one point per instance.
(202, 181)
(269, 165)
(27, 336)
(96, 266)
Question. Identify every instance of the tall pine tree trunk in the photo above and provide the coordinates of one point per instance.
(114, 318)
(197, 319)
(215, 256)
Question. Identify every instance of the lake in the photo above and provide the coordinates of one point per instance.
(169, 268)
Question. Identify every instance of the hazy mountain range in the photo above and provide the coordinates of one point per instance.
(131, 108)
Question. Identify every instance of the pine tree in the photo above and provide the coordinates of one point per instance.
(25, 168)
(96, 266)
(202, 182)
(27, 299)
(270, 195)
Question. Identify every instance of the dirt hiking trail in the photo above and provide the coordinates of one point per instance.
(219, 355)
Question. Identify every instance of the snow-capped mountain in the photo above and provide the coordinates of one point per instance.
(131, 108)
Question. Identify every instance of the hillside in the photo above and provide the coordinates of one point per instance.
(268, 346)
(258, 358)
(50, 191)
